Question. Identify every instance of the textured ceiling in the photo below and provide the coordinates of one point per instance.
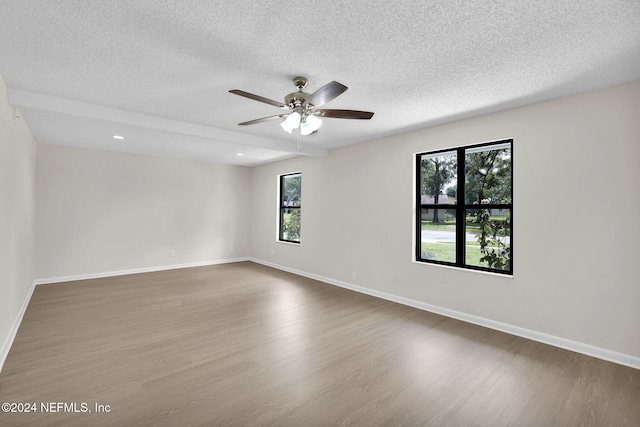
(159, 72)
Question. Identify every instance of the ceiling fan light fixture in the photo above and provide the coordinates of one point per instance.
(310, 125)
(291, 122)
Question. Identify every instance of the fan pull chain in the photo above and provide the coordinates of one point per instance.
(299, 140)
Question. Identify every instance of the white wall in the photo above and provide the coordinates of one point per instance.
(17, 209)
(576, 219)
(100, 212)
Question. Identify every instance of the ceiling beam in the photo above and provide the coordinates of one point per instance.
(39, 101)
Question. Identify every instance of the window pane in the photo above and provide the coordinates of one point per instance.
(437, 178)
(438, 234)
(488, 174)
(488, 238)
(291, 194)
(290, 225)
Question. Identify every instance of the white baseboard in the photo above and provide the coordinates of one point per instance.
(578, 347)
(8, 342)
(134, 271)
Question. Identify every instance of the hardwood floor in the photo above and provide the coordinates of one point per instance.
(246, 345)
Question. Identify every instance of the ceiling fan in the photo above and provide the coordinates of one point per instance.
(301, 108)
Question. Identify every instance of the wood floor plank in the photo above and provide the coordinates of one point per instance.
(246, 345)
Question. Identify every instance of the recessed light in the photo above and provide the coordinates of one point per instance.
(118, 137)
(239, 154)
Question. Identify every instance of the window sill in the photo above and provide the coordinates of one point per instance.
(466, 270)
(288, 243)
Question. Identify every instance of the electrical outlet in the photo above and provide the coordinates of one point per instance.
(354, 276)
(273, 251)
(172, 252)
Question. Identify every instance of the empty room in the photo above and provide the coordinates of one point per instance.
(331, 213)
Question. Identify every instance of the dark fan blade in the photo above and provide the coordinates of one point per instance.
(325, 94)
(259, 98)
(264, 119)
(345, 114)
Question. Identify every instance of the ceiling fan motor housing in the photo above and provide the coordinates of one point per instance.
(296, 99)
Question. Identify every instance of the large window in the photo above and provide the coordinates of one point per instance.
(464, 205)
(290, 207)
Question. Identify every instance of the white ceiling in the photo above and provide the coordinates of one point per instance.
(159, 72)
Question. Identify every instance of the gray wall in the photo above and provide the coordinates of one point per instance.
(17, 211)
(100, 212)
(577, 274)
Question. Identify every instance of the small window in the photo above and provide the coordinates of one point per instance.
(290, 207)
(465, 207)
